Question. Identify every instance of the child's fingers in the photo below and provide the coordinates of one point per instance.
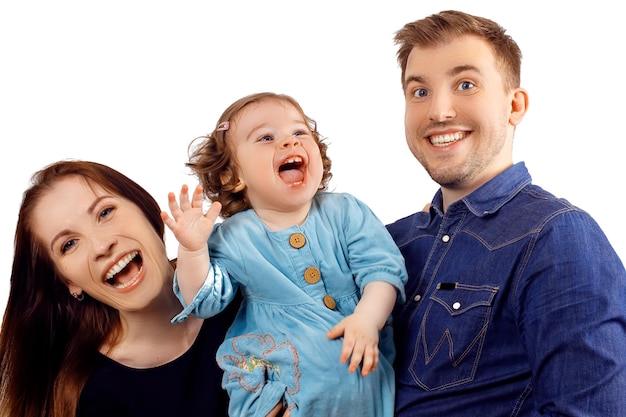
(173, 204)
(356, 357)
(336, 331)
(370, 360)
(184, 197)
(197, 198)
(214, 211)
(168, 221)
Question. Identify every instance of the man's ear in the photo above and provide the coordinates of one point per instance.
(519, 105)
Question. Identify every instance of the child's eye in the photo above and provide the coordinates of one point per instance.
(265, 138)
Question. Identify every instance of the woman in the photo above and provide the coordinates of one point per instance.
(87, 327)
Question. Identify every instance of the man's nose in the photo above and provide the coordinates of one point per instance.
(441, 107)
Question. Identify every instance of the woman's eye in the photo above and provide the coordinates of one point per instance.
(420, 93)
(466, 85)
(104, 213)
(68, 245)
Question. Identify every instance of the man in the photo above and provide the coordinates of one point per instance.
(516, 301)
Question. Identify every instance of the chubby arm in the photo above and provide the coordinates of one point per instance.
(192, 229)
(361, 328)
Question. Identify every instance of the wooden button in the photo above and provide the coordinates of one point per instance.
(330, 302)
(297, 240)
(312, 275)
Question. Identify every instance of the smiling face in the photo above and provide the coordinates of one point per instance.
(102, 244)
(460, 119)
(279, 163)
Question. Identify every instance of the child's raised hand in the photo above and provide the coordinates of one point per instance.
(190, 225)
(360, 342)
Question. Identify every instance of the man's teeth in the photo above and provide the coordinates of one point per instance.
(120, 265)
(446, 139)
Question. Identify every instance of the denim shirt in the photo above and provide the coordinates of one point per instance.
(516, 306)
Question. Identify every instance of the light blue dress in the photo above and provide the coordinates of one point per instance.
(297, 284)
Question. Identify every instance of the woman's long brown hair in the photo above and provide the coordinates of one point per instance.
(49, 341)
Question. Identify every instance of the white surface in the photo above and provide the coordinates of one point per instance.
(131, 83)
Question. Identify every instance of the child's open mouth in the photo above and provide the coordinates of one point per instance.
(291, 170)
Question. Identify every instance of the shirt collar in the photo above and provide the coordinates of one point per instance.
(492, 195)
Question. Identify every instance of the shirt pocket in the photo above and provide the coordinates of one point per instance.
(451, 335)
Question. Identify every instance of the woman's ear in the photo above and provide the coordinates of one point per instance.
(519, 105)
(75, 290)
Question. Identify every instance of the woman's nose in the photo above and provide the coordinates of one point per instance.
(103, 246)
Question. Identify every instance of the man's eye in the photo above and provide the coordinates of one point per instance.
(68, 245)
(465, 85)
(420, 93)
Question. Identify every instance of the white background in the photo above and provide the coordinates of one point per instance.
(131, 83)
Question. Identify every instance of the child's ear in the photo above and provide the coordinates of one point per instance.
(240, 186)
(225, 178)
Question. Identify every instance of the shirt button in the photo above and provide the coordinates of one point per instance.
(297, 240)
(456, 305)
(312, 275)
(445, 238)
(330, 302)
(417, 297)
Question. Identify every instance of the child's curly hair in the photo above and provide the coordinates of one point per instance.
(213, 159)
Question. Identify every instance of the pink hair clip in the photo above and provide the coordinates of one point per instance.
(222, 126)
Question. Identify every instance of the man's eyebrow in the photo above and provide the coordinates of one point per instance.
(462, 68)
(414, 78)
(452, 72)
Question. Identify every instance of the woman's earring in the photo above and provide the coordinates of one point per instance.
(79, 297)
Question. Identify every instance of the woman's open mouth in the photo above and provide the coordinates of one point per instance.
(125, 271)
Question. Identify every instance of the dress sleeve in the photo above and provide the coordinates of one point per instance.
(216, 293)
(372, 252)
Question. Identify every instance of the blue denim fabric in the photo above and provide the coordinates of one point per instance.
(516, 306)
(277, 346)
